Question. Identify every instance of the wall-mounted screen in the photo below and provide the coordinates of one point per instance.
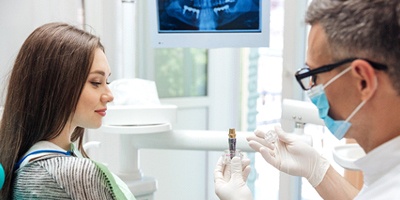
(209, 23)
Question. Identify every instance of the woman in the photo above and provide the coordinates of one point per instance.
(58, 87)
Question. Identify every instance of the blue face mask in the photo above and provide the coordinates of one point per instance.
(317, 95)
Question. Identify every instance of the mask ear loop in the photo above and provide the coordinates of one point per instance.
(356, 110)
(362, 103)
(336, 77)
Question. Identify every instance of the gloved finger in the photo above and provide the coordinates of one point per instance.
(227, 170)
(245, 162)
(244, 155)
(270, 156)
(282, 135)
(261, 141)
(257, 146)
(219, 170)
(246, 172)
(259, 133)
(236, 168)
(269, 136)
(288, 138)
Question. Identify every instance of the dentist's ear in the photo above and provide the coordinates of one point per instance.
(367, 78)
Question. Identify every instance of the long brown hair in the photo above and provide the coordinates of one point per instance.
(46, 81)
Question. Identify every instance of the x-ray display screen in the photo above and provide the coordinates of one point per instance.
(178, 16)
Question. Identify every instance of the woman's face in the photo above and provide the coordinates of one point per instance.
(92, 104)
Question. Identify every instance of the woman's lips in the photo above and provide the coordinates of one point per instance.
(101, 112)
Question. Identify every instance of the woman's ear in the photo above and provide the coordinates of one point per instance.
(367, 80)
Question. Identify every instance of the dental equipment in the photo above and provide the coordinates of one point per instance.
(271, 136)
(2, 176)
(232, 142)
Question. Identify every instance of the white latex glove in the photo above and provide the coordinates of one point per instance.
(230, 179)
(291, 155)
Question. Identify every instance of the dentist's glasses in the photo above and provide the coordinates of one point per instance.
(307, 78)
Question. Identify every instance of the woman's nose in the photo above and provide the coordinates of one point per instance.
(107, 97)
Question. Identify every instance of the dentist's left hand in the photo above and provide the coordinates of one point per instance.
(230, 179)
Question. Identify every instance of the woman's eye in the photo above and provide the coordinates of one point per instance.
(95, 83)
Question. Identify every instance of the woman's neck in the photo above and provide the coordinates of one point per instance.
(63, 140)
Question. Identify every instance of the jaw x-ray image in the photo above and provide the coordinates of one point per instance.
(209, 15)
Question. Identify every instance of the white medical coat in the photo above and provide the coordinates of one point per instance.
(381, 169)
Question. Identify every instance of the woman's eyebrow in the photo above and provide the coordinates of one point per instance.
(99, 72)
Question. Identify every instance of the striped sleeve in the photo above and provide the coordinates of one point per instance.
(62, 178)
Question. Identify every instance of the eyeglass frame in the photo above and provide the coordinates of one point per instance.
(329, 67)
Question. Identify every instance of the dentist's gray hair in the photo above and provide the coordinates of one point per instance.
(359, 28)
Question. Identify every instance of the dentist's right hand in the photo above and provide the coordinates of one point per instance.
(291, 155)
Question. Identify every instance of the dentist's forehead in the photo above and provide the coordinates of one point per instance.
(318, 51)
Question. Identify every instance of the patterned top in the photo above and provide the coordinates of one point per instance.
(47, 171)
(61, 177)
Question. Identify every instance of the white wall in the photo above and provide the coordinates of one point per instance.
(19, 18)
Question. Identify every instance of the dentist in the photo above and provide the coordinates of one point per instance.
(352, 75)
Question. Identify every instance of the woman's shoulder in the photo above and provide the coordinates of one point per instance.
(61, 166)
(63, 175)
(61, 163)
